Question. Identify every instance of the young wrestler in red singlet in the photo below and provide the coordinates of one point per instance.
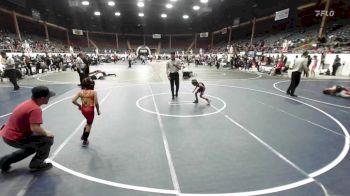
(89, 101)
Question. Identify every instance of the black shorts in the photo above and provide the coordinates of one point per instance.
(201, 90)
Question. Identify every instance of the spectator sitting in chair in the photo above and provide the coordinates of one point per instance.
(278, 68)
(286, 68)
(186, 73)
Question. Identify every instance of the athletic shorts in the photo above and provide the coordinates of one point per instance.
(201, 90)
(89, 114)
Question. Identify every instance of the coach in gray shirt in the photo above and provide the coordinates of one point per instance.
(299, 66)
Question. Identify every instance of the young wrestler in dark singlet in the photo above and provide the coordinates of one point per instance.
(199, 88)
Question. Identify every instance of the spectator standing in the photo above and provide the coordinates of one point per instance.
(336, 65)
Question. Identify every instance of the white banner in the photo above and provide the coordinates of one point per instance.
(77, 32)
(282, 14)
(156, 36)
(205, 34)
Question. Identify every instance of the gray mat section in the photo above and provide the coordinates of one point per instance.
(57, 183)
(120, 139)
(210, 154)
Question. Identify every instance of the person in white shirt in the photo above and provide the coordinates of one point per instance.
(172, 70)
(299, 66)
(131, 58)
(10, 70)
(296, 57)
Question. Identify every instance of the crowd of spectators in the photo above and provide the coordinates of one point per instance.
(336, 40)
(235, 55)
(29, 43)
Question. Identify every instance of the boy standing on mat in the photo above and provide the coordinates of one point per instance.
(89, 101)
(201, 89)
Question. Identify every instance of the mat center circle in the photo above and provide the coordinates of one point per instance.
(181, 107)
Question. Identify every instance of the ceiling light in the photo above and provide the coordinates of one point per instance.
(111, 3)
(204, 1)
(140, 4)
(169, 6)
(141, 14)
(117, 13)
(306, 6)
(85, 3)
(97, 13)
(185, 16)
(173, 0)
(196, 7)
(163, 15)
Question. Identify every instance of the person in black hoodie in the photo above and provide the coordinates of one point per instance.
(336, 65)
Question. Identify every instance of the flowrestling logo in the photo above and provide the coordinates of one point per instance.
(324, 13)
